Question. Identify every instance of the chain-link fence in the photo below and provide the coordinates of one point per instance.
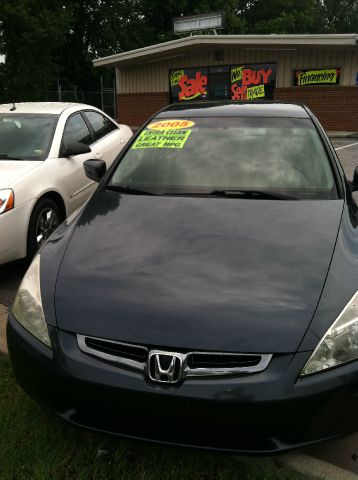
(104, 99)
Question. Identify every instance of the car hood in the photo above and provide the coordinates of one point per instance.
(13, 170)
(197, 273)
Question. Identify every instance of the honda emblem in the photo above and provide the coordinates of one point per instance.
(165, 367)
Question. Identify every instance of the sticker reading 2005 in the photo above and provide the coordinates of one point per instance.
(165, 134)
(171, 125)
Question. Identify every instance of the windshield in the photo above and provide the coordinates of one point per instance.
(203, 155)
(26, 136)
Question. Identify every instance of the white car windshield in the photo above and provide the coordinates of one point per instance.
(26, 136)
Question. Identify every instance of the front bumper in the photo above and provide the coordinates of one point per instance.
(13, 232)
(262, 413)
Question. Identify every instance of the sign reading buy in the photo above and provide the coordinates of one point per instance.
(251, 82)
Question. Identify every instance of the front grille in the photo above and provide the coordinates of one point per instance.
(195, 364)
(129, 355)
(132, 352)
(222, 360)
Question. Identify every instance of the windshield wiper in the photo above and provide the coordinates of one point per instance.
(230, 193)
(125, 189)
(255, 194)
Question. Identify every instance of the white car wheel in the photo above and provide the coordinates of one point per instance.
(45, 218)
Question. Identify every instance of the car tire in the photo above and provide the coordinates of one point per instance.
(45, 218)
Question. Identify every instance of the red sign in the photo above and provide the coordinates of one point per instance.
(192, 88)
(250, 83)
(254, 81)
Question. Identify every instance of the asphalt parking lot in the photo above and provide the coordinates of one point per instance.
(343, 452)
(347, 149)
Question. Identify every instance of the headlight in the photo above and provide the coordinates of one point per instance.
(340, 344)
(6, 200)
(27, 307)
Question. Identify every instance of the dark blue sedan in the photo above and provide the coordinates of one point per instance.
(206, 295)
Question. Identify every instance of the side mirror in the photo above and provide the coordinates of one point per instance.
(95, 169)
(74, 148)
(354, 184)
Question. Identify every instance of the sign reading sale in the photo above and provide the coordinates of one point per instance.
(189, 84)
(192, 88)
(251, 82)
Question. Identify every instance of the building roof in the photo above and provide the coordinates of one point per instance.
(178, 47)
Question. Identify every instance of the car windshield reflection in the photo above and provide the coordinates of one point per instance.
(282, 156)
(26, 136)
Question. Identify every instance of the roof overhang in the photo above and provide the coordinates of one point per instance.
(180, 46)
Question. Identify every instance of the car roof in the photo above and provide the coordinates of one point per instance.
(233, 109)
(40, 107)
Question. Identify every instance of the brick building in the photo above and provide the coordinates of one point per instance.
(318, 70)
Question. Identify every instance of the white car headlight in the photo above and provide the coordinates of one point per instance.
(27, 307)
(340, 343)
(6, 200)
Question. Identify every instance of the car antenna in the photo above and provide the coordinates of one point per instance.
(13, 107)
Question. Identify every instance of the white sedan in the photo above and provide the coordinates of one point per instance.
(42, 180)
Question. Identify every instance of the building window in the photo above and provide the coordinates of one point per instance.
(219, 83)
(235, 82)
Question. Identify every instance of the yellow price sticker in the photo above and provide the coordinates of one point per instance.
(161, 139)
(171, 125)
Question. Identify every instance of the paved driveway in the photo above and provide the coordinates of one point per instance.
(348, 154)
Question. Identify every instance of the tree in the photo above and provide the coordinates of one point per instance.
(338, 16)
(280, 16)
(48, 39)
(95, 29)
(157, 22)
(32, 34)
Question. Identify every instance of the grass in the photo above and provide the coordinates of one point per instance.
(34, 444)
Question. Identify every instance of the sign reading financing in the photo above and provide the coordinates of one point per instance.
(329, 76)
(251, 82)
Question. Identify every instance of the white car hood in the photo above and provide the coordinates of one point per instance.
(13, 170)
